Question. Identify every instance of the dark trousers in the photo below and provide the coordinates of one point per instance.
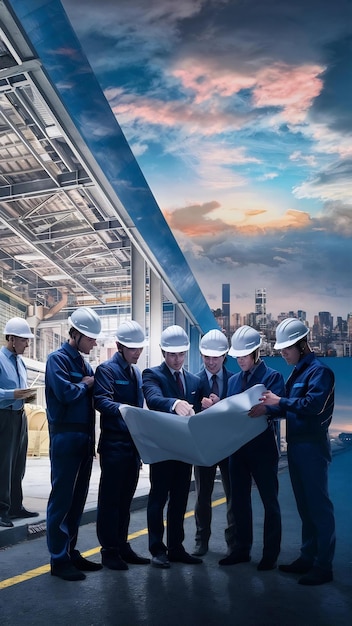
(257, 459)
(71, 456)
(120, 464)
(13, 452)
(308, 465)
(204, 481)
(168, 479)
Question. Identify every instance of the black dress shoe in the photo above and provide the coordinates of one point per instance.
(184, 557)
(316, 576)
(22, 514)
(160, 560)
(266, 564)
(83, 564)
(66, 571)
(234, 558)
(130, 556)
(299, 566)
(5, 522)
(200, 549)
(113, 561)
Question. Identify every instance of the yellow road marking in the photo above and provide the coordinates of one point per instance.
(44, 569)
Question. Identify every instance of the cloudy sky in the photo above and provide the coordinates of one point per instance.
(239, 114)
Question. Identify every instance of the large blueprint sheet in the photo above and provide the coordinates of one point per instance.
(202, 439)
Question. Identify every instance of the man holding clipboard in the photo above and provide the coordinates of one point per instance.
(14, 393)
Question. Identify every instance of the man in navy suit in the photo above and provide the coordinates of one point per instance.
(171, 389)
(214, 376)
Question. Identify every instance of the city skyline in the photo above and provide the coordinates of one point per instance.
(255, 310)
(239, 116)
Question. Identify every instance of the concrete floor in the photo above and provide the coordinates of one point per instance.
(186, 595)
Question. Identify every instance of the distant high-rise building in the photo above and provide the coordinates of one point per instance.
(260, 307)
(226, 307)
(349, 325)
(236, 320)
(302, 315)
(326, 322)
(250, 319)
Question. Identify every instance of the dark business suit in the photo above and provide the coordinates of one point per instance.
(205, 476)
(168, 479)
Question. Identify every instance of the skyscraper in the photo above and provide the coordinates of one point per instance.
(226, 307)
(260, 307)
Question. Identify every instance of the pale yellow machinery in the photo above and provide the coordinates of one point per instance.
(38, 433)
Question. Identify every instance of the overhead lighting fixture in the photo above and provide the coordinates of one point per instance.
(53, 132)
(54, 277)
(29, 256)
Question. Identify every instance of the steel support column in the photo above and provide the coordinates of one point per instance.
(138, 295)
(156, 319)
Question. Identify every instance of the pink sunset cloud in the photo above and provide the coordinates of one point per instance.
(206, 81)
(291, 88)
(171, 114)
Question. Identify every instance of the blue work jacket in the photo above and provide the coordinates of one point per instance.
(116, 384)
(309, 403)
(68, 399)
(267, 376)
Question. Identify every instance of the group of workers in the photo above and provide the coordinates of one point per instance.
(74, 392)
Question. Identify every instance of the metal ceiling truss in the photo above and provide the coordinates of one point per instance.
(71, 190)
(57, 230)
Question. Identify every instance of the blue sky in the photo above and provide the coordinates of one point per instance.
(239, 114)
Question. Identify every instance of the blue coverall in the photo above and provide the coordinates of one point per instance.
(116, 383)
(258, 459)
(308, 406)
(71, 419)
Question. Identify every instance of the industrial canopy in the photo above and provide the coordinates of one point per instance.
(73, 200)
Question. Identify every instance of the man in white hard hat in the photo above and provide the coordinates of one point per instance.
(14, 393)
(69, 380)
(171, 389)
(118, 381)
(214, 378)
(258, 459)
(308, 407)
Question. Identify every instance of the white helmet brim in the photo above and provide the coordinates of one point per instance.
(287, 344)
(208, 352)
(244, 352)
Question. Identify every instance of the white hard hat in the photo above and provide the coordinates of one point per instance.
(174, 339)
(18, 327)
(288, 332)
(244, 341)
(131, 335)
(86, 321)
(213, 343)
